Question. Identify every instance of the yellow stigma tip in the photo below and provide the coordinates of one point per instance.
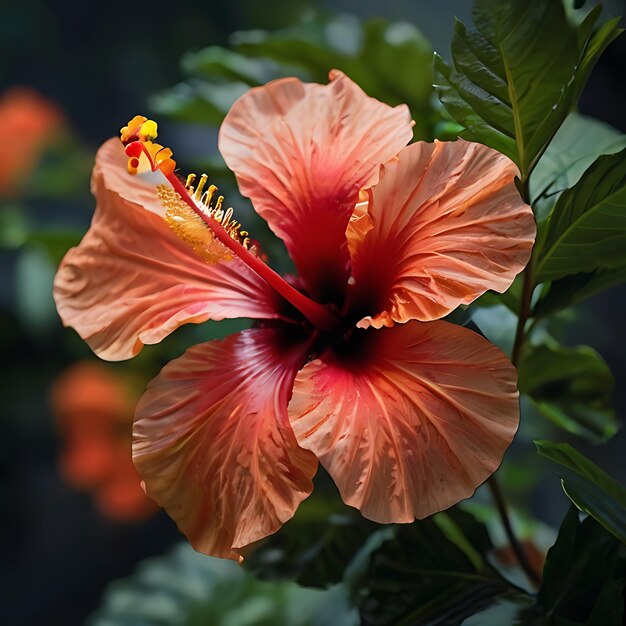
(148, 131)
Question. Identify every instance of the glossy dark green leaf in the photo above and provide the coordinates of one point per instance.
(458, 94)
(315, 547)
(571, 386)
(575, 147)
(587, 228)
(518, 74)
(593, 47)
(576, 288)
(189, 589)
(582, 565)
(610, 606)
(577, 144)
(433, 571)
(590, 488)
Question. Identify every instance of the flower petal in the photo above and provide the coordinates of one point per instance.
(447, 224)
(132, 281)
(213, 443)
(412, 421)
(111, 162)
(302, 152)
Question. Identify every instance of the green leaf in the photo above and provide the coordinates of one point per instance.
(216, 62)
(454, 92)
(593, 47)
(609, 607)
(587, 228)
(498, 324)
(189, 589)
(576, 288)
(315, 547)
(575, 147)
(512, 609)
(518, 75)
(315, 44)
(580, 571)
(198, 101)
(571, 386)
(433, 572)
(390, 61)
(590, 488)
(577, 144)
(395, 65)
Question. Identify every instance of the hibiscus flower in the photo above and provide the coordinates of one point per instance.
(346, 364)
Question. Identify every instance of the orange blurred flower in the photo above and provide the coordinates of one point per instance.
(93, 409)
(27, 122)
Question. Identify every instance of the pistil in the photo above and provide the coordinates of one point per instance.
(317, 314)
(138, 138)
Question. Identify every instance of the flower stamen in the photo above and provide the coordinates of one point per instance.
(137, 138)
(204, 200)
(193, 230)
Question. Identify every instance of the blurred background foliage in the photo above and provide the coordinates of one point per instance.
(71, 75)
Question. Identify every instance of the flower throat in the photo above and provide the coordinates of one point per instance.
(202, 222)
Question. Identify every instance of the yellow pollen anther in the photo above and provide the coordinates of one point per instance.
(191, 228)
(207, 196)
(148, 131)
(200, 187)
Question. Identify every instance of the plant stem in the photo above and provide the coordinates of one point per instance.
(518, 347)
(524, 314)
(520, 552)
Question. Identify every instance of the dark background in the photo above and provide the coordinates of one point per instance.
(100, 61)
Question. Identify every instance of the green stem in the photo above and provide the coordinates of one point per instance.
(518, 548)
(524, 314)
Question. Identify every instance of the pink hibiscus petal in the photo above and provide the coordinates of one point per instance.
(111, 162)
(446, 224)
(302, 152)
(412, 421)
(213, 444)
(132, 281)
